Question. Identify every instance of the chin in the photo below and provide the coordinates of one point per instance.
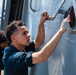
(28, 44)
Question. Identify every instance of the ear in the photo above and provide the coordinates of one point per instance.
(13, 37)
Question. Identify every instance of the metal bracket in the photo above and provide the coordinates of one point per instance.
(73, 29)
(61, 11)
(69, 29)
(73, 32)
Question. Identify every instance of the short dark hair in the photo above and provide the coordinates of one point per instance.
(3, 38)
(11, 28)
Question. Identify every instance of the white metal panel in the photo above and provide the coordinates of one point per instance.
(62, 61)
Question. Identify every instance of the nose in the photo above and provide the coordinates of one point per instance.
(28, 35)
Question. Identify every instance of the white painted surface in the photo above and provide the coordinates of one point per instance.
(63, 59)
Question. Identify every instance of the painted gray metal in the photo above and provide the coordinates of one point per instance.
(63, 59)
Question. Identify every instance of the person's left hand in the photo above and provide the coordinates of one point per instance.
(63, 27)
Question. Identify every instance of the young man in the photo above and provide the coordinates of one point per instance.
(21, 53)
(3, 44)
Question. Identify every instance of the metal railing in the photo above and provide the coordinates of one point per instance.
(2, 15)
(31, 6)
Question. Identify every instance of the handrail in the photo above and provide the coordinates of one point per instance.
(2, 14)
(31, 6)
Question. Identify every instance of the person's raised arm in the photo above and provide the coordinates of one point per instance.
(41, 32)
(48, 49)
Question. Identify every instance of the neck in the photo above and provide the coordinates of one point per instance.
(18, 46)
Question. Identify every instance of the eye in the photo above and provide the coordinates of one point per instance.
(25, 33)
